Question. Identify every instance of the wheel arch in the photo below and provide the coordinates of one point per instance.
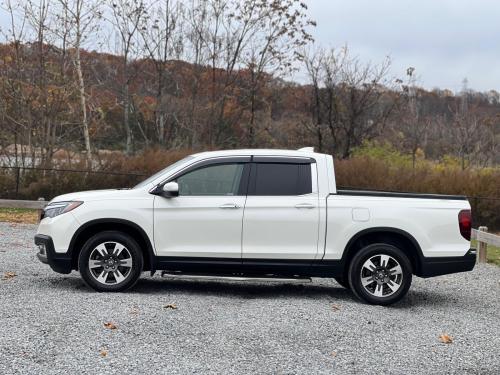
(93, 227)
(394, 236)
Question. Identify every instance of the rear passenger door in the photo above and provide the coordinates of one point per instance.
(281, 217)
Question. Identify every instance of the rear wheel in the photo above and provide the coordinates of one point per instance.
(110, 261)
(380, 274)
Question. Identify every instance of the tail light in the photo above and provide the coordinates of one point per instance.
(465, 223)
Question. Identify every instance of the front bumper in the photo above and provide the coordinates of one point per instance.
(59, 262)
(444, 265)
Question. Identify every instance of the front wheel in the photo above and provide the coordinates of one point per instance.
(110, 261)
(380, 274)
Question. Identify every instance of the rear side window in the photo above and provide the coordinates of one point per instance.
(280, 179)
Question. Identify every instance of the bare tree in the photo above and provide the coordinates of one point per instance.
(197, 20)
(469, 131)
(414, 123)
(13, 99)
(163, 37)
(78, 19)
(361, 98)
(274, 47)
(38, 17)
(314, 65)
(127, 16)
(333, 66)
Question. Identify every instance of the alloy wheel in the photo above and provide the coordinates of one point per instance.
(381, 275)
(110, 263)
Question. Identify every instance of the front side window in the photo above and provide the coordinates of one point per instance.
(281, 179)
(218, 180)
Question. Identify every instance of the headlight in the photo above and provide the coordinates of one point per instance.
(58, 208)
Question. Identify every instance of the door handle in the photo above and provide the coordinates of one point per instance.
(229, 205)
(305, 205)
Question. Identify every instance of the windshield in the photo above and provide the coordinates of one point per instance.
(163, 171)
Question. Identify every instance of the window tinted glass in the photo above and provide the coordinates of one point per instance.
(220, 179)
(282, 179)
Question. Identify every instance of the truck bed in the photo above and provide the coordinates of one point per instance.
(394, 194)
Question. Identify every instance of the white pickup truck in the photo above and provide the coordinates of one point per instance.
(257, 214)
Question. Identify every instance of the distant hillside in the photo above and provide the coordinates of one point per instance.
(177, 104)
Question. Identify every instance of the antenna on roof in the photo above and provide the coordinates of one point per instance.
(306, 149)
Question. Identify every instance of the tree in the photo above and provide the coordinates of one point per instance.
(332, 66)
(14, 126)
(77, 20)
(281, 33)
(414, 124)
(470, 133)
(360, 99)
(127, 16)
(163, 35)
(314, 63)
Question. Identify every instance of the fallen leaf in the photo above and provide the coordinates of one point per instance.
(110, 325)
(334, 354)
(170, 306)
(134, 311)
(335, 307)
(8, 275)
(103, 352)
(446, 339)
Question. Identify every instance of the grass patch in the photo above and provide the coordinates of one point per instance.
(19, 215)
(493, 255)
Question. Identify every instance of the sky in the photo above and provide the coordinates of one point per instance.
(444, 40)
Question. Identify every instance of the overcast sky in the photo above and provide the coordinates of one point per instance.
(445, 40)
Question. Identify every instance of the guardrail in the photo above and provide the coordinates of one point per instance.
(483, 240)
(17, 203)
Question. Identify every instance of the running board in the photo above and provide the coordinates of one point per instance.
(181, 276)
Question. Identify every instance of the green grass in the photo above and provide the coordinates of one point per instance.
(493, 254)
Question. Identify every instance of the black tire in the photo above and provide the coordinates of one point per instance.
(385, 279)
(343, 281)
(92, 252)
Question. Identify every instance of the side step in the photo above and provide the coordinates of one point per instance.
(272, 279)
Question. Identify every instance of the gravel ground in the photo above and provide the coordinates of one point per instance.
(53, 324)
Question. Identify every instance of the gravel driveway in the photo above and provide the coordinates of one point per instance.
(53, 324)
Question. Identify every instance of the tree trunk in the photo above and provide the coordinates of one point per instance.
(159, 113)
(83, 105)
(347, 146)
(251, 128)
(160, 120)
(320, 138)
(126, 122)
(319, 121)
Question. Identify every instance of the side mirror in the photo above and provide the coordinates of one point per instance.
(171, 189)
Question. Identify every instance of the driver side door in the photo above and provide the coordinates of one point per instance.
(205, 220)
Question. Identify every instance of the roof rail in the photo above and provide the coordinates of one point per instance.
(306, 149)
